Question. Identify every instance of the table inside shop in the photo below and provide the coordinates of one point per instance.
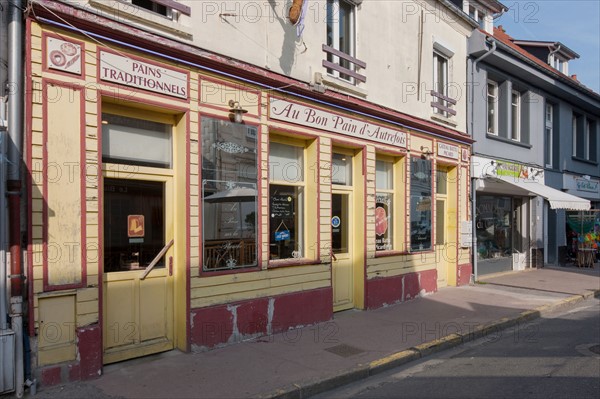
(585, 257)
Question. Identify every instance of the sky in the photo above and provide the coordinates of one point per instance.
(575, 23)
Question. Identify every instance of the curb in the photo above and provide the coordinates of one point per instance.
(362, 371)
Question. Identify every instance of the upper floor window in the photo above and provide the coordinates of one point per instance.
(154, 6)
(578, 136)
(591, 141)
(477, 15)
(515, 117)
(492, 107)
(441, 103)
(548, 134)
(169, 9)
(341, 36)
(559, 63)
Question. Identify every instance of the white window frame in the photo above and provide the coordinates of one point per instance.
(495, 113)
(478, 15)
(548, 138)
(335, 29)
(170, 13)
(587, 151)
(446, 60)
(515, 112)
(574, 133)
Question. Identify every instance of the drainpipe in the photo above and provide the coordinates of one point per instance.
(3, 236)
(552, 54)
(473, 177)
(15, 130)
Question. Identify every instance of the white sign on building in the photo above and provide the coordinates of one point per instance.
(131, 72)
(63, 56)
(316, 118)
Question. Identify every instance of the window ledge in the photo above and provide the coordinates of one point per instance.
(508, 141)
(588, 161)
(273, 264)
(142, 16)
(443, 119)
(383, 254)
(341, 85)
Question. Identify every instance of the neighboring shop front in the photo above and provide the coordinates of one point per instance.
(573, 228)
(509, 200)
(157, 221)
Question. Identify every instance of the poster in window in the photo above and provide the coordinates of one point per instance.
(383, 241)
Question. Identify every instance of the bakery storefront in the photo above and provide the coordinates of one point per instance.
(187, 227)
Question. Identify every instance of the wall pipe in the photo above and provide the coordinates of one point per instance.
(246, 80)
(15, 146)
(3, 231)
(473, 177)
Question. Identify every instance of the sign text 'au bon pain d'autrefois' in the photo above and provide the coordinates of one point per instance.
(312, 117)
(135, 73)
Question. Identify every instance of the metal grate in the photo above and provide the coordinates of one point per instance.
(344, 350)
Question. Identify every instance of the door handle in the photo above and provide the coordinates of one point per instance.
(170, 265)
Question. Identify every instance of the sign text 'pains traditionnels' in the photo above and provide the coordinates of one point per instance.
(131, 72)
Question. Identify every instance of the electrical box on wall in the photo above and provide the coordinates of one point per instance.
(466, 234)
(7, 359)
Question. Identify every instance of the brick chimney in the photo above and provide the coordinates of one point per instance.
(574, 77)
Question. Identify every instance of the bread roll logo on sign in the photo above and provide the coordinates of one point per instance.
(63, 56)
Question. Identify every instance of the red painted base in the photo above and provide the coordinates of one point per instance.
(224, 324)
(390, 290)
(463, 274)
(87, 367)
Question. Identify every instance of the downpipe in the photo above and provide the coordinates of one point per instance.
(15, 145)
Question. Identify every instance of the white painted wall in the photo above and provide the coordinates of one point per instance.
(387, 39)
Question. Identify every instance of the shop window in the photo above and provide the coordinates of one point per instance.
(420, 204)
(384, 205)
(340, 36)
(286, 201)
(229, 195)
(494, 227)
(133, 141)
(389, 204)
(342, 169)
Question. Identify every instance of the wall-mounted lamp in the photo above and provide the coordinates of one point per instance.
(236, 112)
(426, 153)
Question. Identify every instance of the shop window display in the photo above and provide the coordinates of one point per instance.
(494, 227)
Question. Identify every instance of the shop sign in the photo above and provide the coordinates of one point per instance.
(312, 117)
(447, 150)
(63, 56)
(581, 185)
(131, 72)
(590, 186)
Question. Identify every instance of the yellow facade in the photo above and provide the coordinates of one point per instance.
(74, 292)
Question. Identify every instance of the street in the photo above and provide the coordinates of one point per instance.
(554, 357)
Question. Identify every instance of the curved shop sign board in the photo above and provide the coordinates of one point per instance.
(316, 118)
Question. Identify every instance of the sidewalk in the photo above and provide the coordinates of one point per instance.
(353, 345)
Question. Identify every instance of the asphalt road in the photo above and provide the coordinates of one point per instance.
(554, 357)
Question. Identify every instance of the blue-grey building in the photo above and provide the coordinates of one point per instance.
(536, 152)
